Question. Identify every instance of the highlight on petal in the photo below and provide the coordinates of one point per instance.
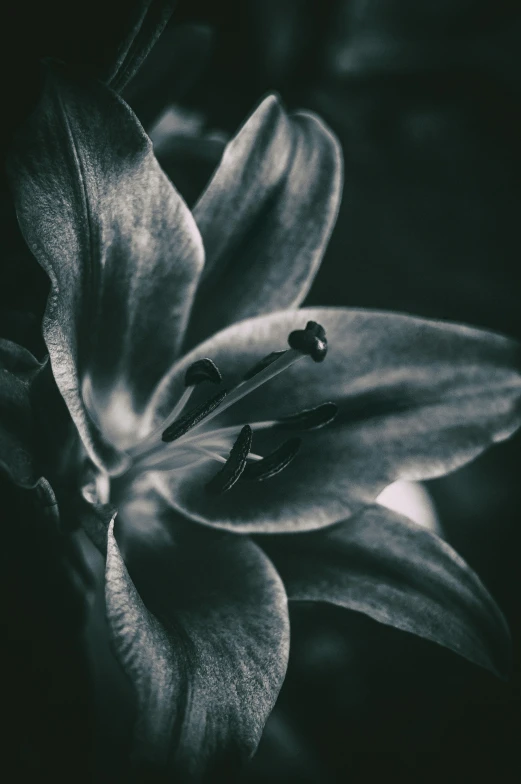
(266, 217)
(413, 500)
(201, 629)
(120, 246)
(416, 399)
(383, 565)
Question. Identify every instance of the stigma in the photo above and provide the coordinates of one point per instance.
(191, 435)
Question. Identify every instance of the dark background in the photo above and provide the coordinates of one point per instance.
(425, 98)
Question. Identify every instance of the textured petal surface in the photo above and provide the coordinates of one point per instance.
(381, 564)
(266, 217)
(120, 246)
(416, 399)
(201, 629)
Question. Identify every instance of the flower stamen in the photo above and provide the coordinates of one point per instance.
(202, 370)
(198, 372)
(283, 362)
(193, 417)
(235, 466)
(263, 363)
(311, 341)
(220, 458)
(273, 463)
(309, 418)
(193, 446)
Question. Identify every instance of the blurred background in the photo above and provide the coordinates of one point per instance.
(424, 96)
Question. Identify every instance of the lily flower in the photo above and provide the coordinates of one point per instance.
(228, 444)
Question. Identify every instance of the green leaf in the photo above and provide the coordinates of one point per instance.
(200, 626)
(383, 565)
(120, 247)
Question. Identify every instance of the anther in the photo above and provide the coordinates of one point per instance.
(263, 363)
(311, 341)
(274, 463)
(192, 417)
(231, 472)
(202, 370)
(310, 418)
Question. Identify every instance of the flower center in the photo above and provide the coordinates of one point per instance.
(186, 438)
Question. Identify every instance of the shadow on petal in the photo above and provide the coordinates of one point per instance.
(380, 564)
(201, 629)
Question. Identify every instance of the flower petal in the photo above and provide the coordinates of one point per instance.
(120, 246)
(201, 629)
(18, 360)
(266, 217)
(17, 452)
(381, 564)
(149, 19)
(173, 67)
(417, 399)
